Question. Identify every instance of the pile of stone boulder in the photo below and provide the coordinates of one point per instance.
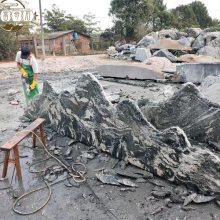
(171, 44)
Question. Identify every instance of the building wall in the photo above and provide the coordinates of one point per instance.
(82, 44)
(85, 44)
(55, 46)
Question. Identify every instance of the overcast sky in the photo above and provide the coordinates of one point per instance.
(101, 7)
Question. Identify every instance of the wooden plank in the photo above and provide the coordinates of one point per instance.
(6, 160)
(35, 124)
(17, 162)
(22, 134)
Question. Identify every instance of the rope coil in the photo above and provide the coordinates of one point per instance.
(78, 177)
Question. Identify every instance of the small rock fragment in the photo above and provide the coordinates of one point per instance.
(189, 199)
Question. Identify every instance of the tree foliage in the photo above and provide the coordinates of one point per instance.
(91, 23)
(8, 45)
(184, 17)
(201, 14)
(131, 16)
(161, 17)
(130, 13)
(57, 20)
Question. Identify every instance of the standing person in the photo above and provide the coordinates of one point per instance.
(28, 67)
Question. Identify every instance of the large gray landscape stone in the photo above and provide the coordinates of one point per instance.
(194, 32)
(199, 42)
(210, 51)
(189, 110)
(185, 41)
(146, 41)
(165, 53)
(142, 54)
(88, 117)
(210, 87)
(197, 72)
(128, 71)
(168, 33)
(212, 36)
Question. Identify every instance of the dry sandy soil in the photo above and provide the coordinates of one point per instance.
(92, 200)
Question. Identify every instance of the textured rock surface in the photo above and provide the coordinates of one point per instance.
(210, 51)
(170, 33)
(211, 88)
(193, 58)
(142, 54)
(146, 41)
(188, 109)
(197, 72)
(194, 32)
(169, 44)
(123, 131)
(199, 42)
(165, 53)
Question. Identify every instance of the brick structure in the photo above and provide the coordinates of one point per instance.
(58, 43)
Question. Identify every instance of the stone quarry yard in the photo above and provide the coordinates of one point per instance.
(153, 198)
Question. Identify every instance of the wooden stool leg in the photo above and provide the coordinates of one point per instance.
(42, 134)
(5, 168)
(34, 138)
(17, 162)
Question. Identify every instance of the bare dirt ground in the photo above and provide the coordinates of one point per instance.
(92, 200)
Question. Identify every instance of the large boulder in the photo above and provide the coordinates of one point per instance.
(146, 41)
(184, 41)
(197, 72)
(142, 54)
(169, 33)
(181, 34)
(124, 48)
(189, 110)
(191, 40)
(169, 44)
(199, 42)
(194, 32)
(214, 43)
(212, 39)
(210, 87)
(210, 51)
(165, 53)
(87, 116)
(160, 64)
(194, 58)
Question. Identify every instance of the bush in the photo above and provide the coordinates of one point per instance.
(8, 45)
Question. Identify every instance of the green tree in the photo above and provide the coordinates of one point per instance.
(107, 35)
(57, 20)
(131, 13)
(8, 45)
(201, 13)
(75, 23)
(91, 23)
(184, 17)
(161, 17)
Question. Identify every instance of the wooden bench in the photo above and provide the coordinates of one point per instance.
(12, 145)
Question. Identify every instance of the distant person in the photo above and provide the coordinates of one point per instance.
(28, 67)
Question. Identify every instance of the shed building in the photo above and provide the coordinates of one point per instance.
(58, 43)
